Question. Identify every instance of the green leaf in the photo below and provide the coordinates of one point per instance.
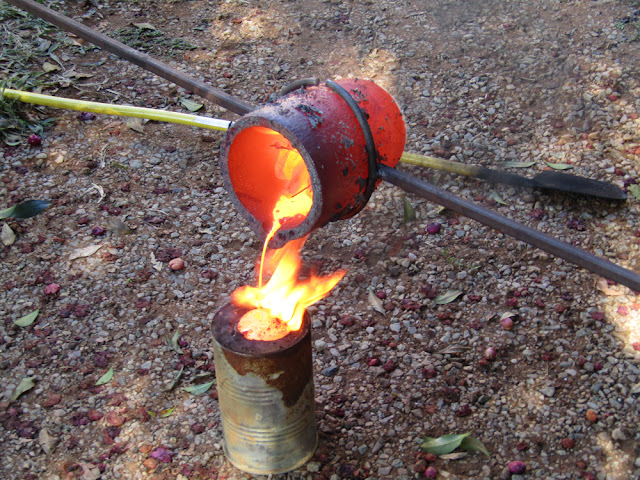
(191, 105)
(174, 343)
(26, 209)
(409, 212)
(25, 385)
(172, 385)
(517, 164)
(106, 377)
(144, 26)
(442, 445)
(166, 413)
(498, 198)
(474, 445)
(27, 319)
(559, 166)
(635, 190)
(447, 297)
(199, 389)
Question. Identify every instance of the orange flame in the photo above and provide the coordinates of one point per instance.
(278, 307)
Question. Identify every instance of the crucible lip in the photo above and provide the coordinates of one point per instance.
(225, 332)
(284, 235)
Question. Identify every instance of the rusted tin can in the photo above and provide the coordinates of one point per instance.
(322, 127)
(265, 395)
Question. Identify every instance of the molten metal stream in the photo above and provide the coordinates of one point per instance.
(277, 308)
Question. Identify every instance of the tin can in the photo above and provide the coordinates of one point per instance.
(265, 395)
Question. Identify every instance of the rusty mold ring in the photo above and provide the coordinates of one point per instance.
(370, 145)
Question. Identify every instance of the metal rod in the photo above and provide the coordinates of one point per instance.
(127, 53)
(514, 229)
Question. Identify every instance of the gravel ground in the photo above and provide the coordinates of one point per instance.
(479, 82)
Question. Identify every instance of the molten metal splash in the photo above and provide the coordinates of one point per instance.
(278, 307)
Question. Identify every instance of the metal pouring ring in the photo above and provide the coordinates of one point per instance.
(372, 176)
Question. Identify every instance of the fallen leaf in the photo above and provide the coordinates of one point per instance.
(47, 442)
(84, 251)
(409, 212)
(199, 389)
(559, 166)
(135, 124)
(498, 198)
(106, 377)
(26, 209)
(144, 26)
(172, 385)
(166, 413)
(191, 105)
(8, 237)
(375, 302)
(472, 444)
(447, 297)
(28, 319)
(635, 190)
(89, 471)
(25, 385)
(50, 67)
(604, 287)
(155, 263)
(508, 315)
(174, 343)
(442, 445)
(454, 455)
(454, 349)
(517, 164)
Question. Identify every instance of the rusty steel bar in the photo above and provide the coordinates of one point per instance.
(138, 58)
(514, 229)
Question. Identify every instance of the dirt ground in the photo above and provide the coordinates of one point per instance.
(548, 83)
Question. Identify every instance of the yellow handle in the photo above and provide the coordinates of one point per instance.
(122, 110)
(198, 121)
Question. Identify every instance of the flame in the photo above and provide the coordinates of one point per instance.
(278, 307)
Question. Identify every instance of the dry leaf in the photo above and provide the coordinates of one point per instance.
(375, 302)
(89, 471)
(144, 26)
(447, 297)
(50, 67)
(155, 263)
(454, 349)
(47, 442)
(498, 198)
(25, 385)
(84, 251)
(604, 287)
(454, 455)
(8, 237)
(135, 124)
(508, 315)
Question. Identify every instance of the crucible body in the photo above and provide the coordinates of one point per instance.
(318, 124)
(265, 394)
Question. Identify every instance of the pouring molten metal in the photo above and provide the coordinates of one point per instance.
(278, 307)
